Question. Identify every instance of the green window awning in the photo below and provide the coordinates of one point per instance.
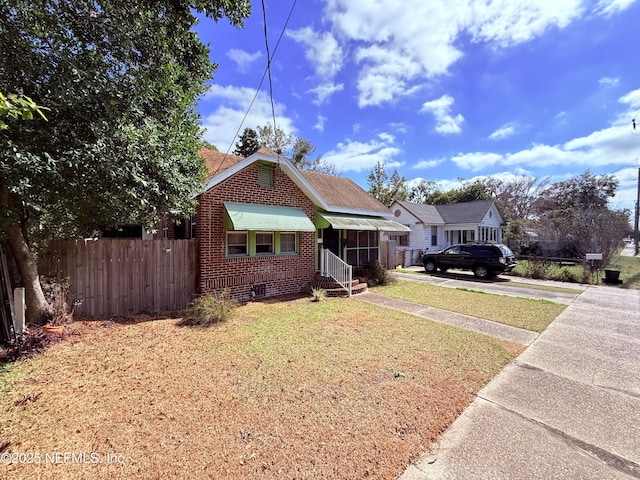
(354, 222)
(249, 216)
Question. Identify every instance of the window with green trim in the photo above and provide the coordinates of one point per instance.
(237, 243)
(264, 243)
(288, 242)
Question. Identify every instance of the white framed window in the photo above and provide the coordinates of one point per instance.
(288, 242)
(264, 243)
(237, 243)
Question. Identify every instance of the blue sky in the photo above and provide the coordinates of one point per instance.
(439, 89)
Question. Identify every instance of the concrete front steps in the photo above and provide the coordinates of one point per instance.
(334, 289)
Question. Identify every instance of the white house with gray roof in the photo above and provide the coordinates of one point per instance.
(434, 227)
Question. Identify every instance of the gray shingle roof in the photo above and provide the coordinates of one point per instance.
(425, 213)
(465, 212)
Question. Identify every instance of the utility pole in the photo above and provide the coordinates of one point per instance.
(636, 234)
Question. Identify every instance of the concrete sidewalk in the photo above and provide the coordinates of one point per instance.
(498, 330)
(567, 408)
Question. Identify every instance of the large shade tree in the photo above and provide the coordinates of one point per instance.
(121, 81)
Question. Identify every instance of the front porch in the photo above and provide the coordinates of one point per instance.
(467, 234)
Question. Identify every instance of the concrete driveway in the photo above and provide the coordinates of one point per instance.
(567, 408)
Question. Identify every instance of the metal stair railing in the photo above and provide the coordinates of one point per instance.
(334, 267)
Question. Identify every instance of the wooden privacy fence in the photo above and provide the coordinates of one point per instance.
(124, 276)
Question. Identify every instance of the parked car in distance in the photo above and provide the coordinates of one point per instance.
(483, 259)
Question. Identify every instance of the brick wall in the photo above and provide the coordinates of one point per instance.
(279, 274)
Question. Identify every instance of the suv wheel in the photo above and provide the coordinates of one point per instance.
(429, 266)
(481, 271)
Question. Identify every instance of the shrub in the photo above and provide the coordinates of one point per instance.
(209, 309)
(318, 294)
(375, 274)
(550, 271)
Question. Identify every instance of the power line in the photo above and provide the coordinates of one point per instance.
(264, 74)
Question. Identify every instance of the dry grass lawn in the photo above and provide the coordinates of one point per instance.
(290, 389)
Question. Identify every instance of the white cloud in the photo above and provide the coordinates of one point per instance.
(509, 22)
(232, 102)
(476, 160)
(324, 91)
(610, 146)
(325, 55)
(627, 190)
(243, 60)
(632, 99)
(608, 81)
(503, 132)
(384, 75)
(441, 110)
(427, 163)
(358, 156)
(610, 7)
(399, 127)
(402, 44)
(323, 51)
(320, 123)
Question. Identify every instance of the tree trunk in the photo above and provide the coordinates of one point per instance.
(39, 311)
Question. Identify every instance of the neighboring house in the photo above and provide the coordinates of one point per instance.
(261, 223)
(434, 227)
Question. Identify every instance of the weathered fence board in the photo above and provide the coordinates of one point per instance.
(124, 276)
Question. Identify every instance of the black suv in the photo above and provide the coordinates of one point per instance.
(483, 259)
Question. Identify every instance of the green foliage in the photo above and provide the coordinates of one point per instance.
(208, 146)
(16, 107)
(209, 309)
(551, 271)
(467, 192)
(318, 294)
(275, 139)
(247, 144)
(296, 149)
(121, 80)
(387, 189)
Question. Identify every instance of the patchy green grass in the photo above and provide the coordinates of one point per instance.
(8, 376)
(284, 389)
(534, 315)
(547, 288)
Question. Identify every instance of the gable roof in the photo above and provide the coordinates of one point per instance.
(463, 212)
(327, 192)
(425, 213)
(342, 193)
(216, 161)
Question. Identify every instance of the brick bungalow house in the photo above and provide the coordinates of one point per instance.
(261, 224)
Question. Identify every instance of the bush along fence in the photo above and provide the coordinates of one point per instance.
(112, 277)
